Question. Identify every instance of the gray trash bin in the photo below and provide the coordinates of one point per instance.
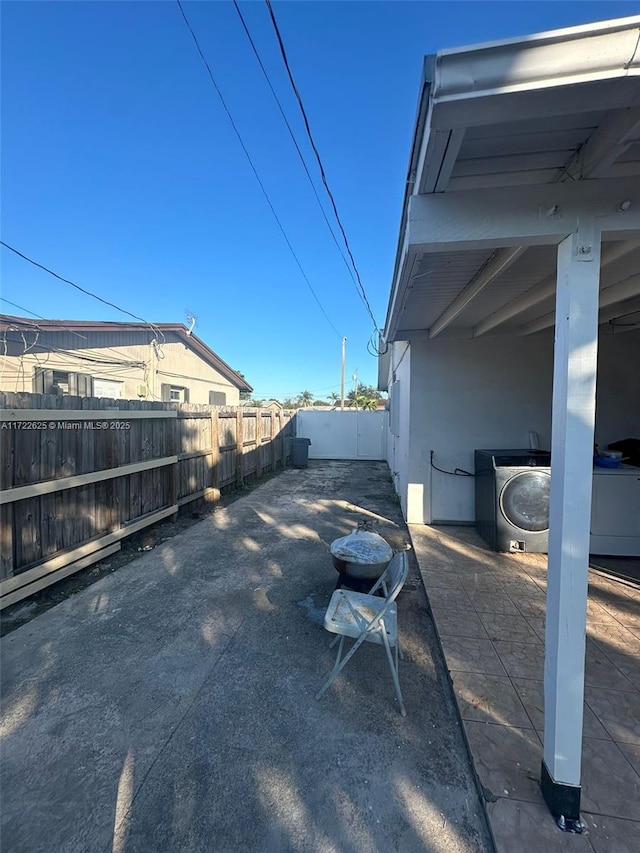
(300, 452)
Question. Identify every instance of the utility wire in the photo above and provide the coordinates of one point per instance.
(156, 331)
(360, 287)
(253, 168)
(293, 139)
(40, 317)
(51, 322)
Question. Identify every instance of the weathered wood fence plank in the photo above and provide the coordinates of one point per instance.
(79, 474)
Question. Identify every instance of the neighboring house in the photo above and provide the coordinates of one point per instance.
(272, 405)
(521, 212)
(161, 361)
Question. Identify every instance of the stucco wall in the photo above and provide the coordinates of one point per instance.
(179, 365)
(400, 398)
(182, 366)
(471, 394)
(618, 390)
(490, 392)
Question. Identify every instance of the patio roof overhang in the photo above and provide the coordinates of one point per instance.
(522, 211)
(515, 143)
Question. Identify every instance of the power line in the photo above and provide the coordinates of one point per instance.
(255, 172)
(156, 331)
(293, 139)
(52, 322)
(361, 290)
(40, 317)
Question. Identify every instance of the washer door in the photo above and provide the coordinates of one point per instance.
(524, 500)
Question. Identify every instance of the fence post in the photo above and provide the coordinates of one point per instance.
(175, 433)
(274, 455)
(258, 443)
(215, 452)
(239, 447)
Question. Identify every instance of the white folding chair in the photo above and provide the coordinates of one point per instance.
(366, 617)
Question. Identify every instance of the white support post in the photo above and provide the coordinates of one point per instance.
(574, 389)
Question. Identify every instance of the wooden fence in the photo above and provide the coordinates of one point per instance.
(78, 474)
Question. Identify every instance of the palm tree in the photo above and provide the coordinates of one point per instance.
(305, 398)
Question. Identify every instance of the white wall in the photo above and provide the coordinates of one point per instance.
(457, 395)
(344, 434)
(468, 394)
(398, 445)
(618, 390)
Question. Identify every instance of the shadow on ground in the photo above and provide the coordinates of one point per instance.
(170, 706)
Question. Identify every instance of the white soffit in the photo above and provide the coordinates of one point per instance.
(554, 108)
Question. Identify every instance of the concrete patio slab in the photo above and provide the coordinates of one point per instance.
(495, 654)
(170, 706)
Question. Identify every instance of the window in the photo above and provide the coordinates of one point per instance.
(174, 393)
(217, 398)
(107, 388)
(62, 383)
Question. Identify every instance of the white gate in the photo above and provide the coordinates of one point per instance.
(344, 434)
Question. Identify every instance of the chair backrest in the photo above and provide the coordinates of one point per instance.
(394, 576)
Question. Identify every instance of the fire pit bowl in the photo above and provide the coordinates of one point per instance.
(361, 555)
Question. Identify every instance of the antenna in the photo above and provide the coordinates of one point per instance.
(192, 320)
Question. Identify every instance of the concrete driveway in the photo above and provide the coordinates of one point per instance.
(170, 706)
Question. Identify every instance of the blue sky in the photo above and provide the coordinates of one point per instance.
(121, 172)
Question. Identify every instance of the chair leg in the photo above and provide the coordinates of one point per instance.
(394, 673)
(340, 664)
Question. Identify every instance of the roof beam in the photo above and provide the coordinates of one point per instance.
(605, 145)
(626, 289)
(516, 216)
(441, 154)
(546, 288)
(620, 310)
(495, 266)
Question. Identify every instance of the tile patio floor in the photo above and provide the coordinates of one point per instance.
(489, 610)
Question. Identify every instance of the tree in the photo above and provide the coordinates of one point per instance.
(244, 395)
(367, 397)
(288, 403)
(305, 398)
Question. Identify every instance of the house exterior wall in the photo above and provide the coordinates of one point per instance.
(618, 387)
(182, 366)
(468, 394)
(458, 395)
(98, 354)
(398, 441)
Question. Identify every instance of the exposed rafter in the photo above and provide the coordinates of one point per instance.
(546, 288)
(606, 145)
(621, 310)
(495, 266)
(626, 289)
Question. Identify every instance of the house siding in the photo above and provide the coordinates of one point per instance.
(173, 362)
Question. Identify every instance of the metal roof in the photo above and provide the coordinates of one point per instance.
(11, 323)
(533, 127)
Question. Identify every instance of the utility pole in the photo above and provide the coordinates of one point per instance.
(355, 399)
(344, 343)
